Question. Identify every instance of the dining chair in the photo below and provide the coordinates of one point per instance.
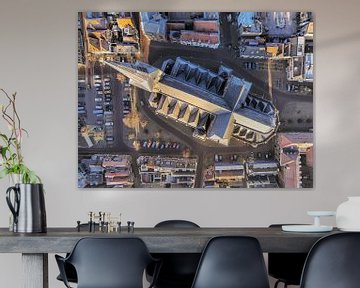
(178, 269)
(108, 263)
(286, 267)
(333, 262)
(232, 262)
(70, 271)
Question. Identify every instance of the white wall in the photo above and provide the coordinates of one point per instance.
(38, 55)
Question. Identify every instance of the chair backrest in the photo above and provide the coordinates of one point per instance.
(232, 262)
(176, 224)
(110, 262)
(178, 266)
(333, 262)
(286, 266)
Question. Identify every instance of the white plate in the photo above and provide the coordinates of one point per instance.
(306, 228)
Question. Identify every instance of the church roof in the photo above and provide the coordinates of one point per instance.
(222, 95)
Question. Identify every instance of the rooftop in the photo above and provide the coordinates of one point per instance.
(221, 99)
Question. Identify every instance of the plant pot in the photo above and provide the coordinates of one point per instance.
(27, 207)
(14, 179)
(348, 215)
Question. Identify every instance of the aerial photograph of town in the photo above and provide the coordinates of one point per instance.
(195, 99)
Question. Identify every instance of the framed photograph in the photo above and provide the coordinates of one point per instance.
(195, 99)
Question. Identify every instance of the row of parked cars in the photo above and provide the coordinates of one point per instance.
(250, 65)
(153, 144)
(104, 106)
(126, 97)
(298, 88)
(81, 100)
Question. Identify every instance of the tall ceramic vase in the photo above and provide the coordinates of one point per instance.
(27, 204)
(348, 214)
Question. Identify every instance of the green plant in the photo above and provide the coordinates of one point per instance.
(11, 159)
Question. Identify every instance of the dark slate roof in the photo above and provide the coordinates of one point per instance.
(266, 119)
(220, 124)
(194, 90)
(186, 71)
(233, 91)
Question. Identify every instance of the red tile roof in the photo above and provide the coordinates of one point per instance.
(291, 175)
(288, 139)
(212, 38)
(310, 157)
(206, 26)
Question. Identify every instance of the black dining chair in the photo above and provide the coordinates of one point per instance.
(333, 262)
(286, 267)
(70, 271)
(108, 263)
(232, 262)
(178, 269)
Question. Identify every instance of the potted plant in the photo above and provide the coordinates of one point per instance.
(11, 159)
(27, 204)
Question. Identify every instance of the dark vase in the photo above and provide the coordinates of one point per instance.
(28, 208)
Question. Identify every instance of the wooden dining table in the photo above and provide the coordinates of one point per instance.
(35, 247)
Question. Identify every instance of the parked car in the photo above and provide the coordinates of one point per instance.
(109, 123)
(108, 107)
(98, 111)
(109, 138)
